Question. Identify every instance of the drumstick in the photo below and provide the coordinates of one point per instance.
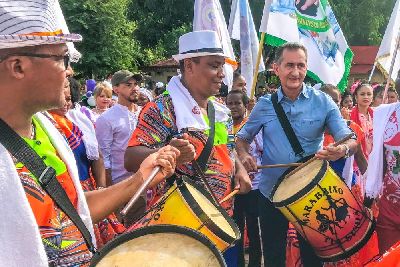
(347, 137)
(140, 190)
(279, 165)
(231, 194)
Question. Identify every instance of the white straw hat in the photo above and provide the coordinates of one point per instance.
(198, 44)
(30, 23)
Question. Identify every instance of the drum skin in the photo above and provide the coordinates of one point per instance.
(325, 213)
(153, 246)
(179, 206)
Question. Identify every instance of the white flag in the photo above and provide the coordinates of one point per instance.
(316, 27)
(208, 15)
(388, 45)
(265, 16)
(241, 27)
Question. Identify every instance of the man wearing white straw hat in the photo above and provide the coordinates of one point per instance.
(186, 108)
(46, 218)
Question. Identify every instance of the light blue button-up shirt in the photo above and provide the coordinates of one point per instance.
(310, 114)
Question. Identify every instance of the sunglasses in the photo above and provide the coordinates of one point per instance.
(66, 58)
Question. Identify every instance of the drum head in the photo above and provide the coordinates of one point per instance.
(298, 182)
(213, 215)
(160, 245)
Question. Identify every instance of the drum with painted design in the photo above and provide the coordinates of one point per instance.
(323, 210)
(187, 204)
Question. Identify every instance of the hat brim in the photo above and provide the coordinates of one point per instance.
(179, 57)
(14, 41)
(137, 77)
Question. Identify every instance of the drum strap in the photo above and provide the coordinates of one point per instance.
(46, 176)
(205, 153)
(286, 126)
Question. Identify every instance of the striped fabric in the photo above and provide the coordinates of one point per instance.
(32, 22)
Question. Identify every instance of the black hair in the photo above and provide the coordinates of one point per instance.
(360, 85)
(236, 75)
(378, 90)
(182, 63)
(74, 90)
(344, 95)
(245, 98)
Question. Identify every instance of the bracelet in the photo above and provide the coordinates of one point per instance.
(347, 152)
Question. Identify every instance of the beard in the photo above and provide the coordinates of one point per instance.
(133, 98)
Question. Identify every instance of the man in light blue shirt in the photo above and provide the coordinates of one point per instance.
(309, 112)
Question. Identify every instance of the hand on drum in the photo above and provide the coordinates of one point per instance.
(166, 158)
(331, 153)
(186, 149)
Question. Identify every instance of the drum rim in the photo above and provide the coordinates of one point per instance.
(290, 200)
(355, 248)
(154, 229)
(208, 222)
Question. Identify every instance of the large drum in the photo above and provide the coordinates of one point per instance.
(187, 204)
(161, 245)
(323, 210)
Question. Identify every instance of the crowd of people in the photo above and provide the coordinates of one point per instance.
(100, 144)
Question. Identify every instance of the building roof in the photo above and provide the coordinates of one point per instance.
(163, 64)
(364, 58)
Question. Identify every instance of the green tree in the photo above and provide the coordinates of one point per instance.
(107, 35)
(363, 22)
(159, 25)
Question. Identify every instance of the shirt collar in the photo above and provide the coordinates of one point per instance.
(126, 108)
(304, 92)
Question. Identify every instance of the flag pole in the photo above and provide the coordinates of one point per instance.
(255, 76)
(391, 67)
(372, 72)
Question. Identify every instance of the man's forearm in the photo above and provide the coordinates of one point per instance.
(135, 155)
(98, 171)
(104, 201)
(108, 178)
(242, 147)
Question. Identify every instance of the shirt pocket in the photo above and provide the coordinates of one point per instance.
(309, 129)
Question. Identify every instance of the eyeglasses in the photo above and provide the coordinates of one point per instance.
(66, 58)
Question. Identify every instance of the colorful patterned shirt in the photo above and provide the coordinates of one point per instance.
(63, 243)
(157, 126)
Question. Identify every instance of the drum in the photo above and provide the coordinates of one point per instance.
(323, 210)
(161, 245)
(187, 204)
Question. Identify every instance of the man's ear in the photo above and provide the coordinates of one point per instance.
(275, 68)
(115, 89)
(16, 66)
(188, 65)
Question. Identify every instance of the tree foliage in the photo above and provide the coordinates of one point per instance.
(107, 35)
(134, 33)
(363, 22)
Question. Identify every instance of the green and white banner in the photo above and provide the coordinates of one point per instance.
(312, 23)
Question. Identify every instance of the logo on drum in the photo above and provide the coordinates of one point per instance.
(339, 210)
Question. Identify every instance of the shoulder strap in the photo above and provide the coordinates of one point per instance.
(205, 153)
(287, 127)
(46, 176)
